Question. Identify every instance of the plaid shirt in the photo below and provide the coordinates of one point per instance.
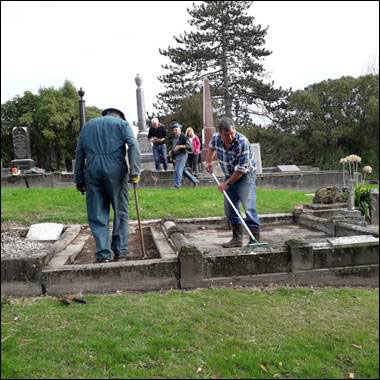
(237, 157)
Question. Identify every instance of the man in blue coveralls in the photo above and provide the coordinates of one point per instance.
(101, 171)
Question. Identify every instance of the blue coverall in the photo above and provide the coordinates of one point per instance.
(101, 164)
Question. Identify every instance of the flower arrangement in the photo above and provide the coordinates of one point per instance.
(366, 170)
(353, 163)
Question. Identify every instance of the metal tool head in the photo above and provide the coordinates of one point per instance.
(258, 245)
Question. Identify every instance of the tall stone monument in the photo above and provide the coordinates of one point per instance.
(208, 121)
(21, 149)
(142, 135)
(82, 109)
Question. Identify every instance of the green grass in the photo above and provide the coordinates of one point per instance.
(209, 333)
(69, 206)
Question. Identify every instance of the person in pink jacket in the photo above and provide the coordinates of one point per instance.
(195, 150)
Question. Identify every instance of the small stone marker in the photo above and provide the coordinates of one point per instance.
(44, 231)
(288, 168)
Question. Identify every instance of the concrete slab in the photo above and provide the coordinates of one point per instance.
(353, 241)
(44, 231)
(209, 237)
(288, 168)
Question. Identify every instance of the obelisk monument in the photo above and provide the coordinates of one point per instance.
(208, 121)
(142, 135)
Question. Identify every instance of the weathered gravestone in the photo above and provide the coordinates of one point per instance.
(21, 149)
(256, 152)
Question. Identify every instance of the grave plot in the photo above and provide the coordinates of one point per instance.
(209, 236)
(314, 245)
(87, 253)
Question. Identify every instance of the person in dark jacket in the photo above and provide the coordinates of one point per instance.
(180, 147)
(156, 135)
(101, 171)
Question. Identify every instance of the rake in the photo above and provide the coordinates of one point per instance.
(255, 243)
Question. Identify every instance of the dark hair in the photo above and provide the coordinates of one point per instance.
(226, 124)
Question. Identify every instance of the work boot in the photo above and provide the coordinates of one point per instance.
(237, 237)
(256, 234)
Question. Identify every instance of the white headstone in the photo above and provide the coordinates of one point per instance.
(44, 231)
(288, 168)
(256, 152)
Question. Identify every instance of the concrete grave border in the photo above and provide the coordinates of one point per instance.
(348, 258)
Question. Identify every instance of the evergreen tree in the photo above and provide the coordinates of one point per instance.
(52, 117)
(227, 48)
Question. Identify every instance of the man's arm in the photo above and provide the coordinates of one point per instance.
(183, 143)
(236, 175)
(134, 155)
(210, 155)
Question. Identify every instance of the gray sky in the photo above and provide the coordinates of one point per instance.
(101, 46)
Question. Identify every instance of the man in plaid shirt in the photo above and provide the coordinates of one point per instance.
(233, 152)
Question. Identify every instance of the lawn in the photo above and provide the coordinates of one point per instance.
(204, 333)
(210, 333)
(67, 205)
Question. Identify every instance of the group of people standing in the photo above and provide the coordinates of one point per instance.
(102, 173)
(185, 151)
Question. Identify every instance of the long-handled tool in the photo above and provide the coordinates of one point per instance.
(139, 220)
(256, 244)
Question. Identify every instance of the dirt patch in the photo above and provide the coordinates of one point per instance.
(87, 254)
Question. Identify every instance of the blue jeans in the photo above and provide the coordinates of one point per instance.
(160, 153)
(108, 187)
(243, 191)
(180, 162)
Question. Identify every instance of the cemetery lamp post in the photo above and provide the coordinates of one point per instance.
(82, 112)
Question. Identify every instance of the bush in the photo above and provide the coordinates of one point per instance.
(363, 200)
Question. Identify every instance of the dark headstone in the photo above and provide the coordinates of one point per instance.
(21, 143)
(21, 148)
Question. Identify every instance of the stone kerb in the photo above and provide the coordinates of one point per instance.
(152, 274)
(22, 276)
(190, 257)
(350, 251)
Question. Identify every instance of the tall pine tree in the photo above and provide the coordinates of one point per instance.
(227, 48)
